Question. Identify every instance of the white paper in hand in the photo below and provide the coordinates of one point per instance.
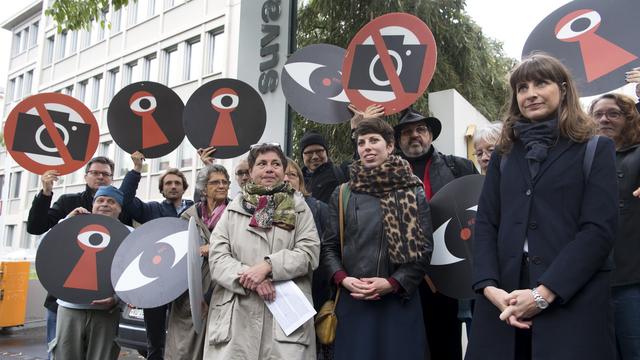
(291, 308)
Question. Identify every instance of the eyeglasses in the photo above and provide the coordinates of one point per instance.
(420, 129)
(242, 173)
(98, 173)
(217, 183)
(487, 152)
(610, 114)
(313, 152)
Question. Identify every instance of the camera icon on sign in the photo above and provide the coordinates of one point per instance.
(368, 72)
(32, 136)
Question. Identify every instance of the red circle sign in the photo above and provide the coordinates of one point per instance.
(390, 62)
(51, 131)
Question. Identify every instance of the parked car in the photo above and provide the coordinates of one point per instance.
(131, 332)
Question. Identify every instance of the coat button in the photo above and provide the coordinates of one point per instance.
(528, 192)
(533, 225)
(536, 260)
(621, 203)
(620, 174)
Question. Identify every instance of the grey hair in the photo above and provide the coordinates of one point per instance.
(489, 133)
(203, 177)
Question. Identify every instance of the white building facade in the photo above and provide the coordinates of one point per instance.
(180, 43)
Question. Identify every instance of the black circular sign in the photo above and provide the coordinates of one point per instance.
(227, 114)
(453, 212)
(595, 39)
(312, 83)
(146, 117)
(73, 260)
(150, 267)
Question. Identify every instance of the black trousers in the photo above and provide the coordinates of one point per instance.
(444, 329)
(155, 323)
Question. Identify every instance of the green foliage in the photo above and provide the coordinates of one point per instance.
(79, 14)
(467, 60)
(2, 140)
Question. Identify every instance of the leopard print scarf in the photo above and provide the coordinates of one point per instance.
(393, 182)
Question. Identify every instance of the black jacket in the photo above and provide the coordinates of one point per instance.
(444, 168)
(365, 248)
(43, 216)
(627, 245)
(324, 180)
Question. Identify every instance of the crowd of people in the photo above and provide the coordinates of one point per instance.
(554, 251)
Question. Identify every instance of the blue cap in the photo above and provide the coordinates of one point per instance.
(110, 191)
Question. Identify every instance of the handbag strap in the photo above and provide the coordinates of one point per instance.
(344, 193)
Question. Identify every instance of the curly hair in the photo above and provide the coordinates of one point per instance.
(203, 177)
(630, 133)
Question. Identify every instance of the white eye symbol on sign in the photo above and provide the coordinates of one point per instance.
(441, 255)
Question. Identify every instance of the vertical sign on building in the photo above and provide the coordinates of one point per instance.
(264, 35)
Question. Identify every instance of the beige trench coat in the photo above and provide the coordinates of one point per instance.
(183, 342)
(240, 324)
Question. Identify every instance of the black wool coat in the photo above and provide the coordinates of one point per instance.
(570, 224)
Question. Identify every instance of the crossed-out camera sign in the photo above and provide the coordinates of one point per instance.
(596, 40)
(51, 131)
(390, 62)
(453, 211)
(147, 117)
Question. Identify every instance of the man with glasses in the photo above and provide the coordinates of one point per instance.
(43, 216)
(321, 176)
(242, 173)
(172, 185)
(414, 136)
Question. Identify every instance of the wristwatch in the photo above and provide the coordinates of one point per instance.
(541, 303)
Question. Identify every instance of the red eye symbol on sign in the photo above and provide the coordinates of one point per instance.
(143, 104)
(224, 101)
(599, 55)
(91, 239)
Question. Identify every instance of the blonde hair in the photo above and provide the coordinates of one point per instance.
(573, 122)
(293, 164)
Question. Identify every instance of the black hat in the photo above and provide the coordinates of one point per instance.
(312, 138)
(409, 116)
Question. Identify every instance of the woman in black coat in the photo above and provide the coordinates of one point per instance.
(618, 119)
(545, 228)
(387, 248)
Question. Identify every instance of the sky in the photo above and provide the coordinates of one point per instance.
(509, 21)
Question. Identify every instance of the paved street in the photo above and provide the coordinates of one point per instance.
(27, 343)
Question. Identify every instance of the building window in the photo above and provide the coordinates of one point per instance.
(14, 184)
(9, 230)
(185, 154)
(81, 90)
(86, 39)
(113, 84)
(15, 47)
(172, 74)
(99, 30)
(62, 44)
(95, 91)
(133, 72)
(10, 89)
(48, 51)
(28, 80)
(150, 71)
(116, 19)
(32, 183)
(68, 90)
(132, 13)
(24, 39)
(27, 241)
(215, 51)
(168, 3)
(17, 91)
(73, 42)
(193, 59)
(33, 34)
(106, 149)
(164, 162)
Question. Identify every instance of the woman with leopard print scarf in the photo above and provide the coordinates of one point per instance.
(387, 247)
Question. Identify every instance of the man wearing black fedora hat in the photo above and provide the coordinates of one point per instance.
(414, 136)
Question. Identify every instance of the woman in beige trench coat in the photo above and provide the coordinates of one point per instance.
(267, 234)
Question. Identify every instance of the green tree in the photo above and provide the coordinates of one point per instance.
(78, 14)
(468, 61)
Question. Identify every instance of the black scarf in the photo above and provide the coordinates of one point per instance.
(537, 138)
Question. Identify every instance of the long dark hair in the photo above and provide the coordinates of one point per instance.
(573, 122)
